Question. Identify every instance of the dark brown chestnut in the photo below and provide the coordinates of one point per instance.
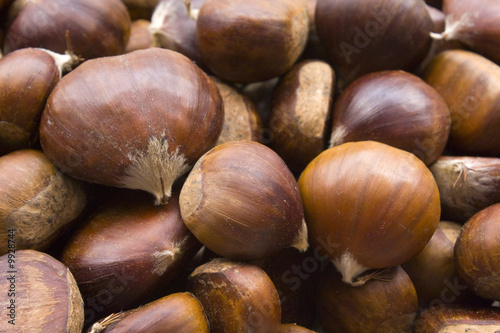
(360, 37)
(237, 297)
(94, 28)
(126, 250)
(137, 120)
(395, 108)
(140, 9)
(467, 184)
(249, 41)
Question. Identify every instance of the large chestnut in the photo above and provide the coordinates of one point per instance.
(93, 28)
(137, 120)
(369, 206)
(248, 41)
(395, 108)
(242, 202)
(477, 253)
(360, 37)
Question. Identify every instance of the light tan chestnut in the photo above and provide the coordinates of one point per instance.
(236, 296)
(242, 202)
(467, 184)
(140, 38)
(179, 312)
(41, 296)
(473, 100)
(477, 253)
(387, 304)
(369, 206)
(300, 112)
(395, 108)
(137, 120)
(37, 201)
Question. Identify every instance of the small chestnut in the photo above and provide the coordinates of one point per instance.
(140, 38)
(294, 328)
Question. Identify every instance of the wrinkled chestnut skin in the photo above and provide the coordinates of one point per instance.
(27, 77)
(94, 28)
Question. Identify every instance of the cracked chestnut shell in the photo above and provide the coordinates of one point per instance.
(137, 120)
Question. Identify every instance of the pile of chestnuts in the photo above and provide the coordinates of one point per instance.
(250, 166)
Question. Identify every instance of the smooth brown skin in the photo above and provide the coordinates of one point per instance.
(379, 306)
(108, 108)
(241, 119)
(482, 34)
(114, 256)
(457, 319)
(236, 296)
(473, 100)
(477, 253)
(95, 28)
(242, 202)
(236, 37)
(179, 312)
(467, 184)
(140, 38)
(27, 77)
(301, 109)
(395, 108)
(46, 296)
(379, 203)
(36, 200)
(371, 36)
(294, 328)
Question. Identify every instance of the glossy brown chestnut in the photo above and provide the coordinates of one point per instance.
(386, 305)
(473, 100)
(458, 319)
(137, 120)
(94, 28)
(37, 201)
(467, 184)
(236, 37)
(237, 297)
(395, 108)
(301, 111)
(477, 253)
(360, 37)
(140, 38)
(179, 312)
(368, 206)
(242, 202)
(126, 250)
(41, 294)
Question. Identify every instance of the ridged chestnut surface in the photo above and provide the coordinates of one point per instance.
(395, 108)
(242, 202)
(93, 28)
(473, 100)
(237, 297)
(477, 253)
(42, 293)
(137, 120)
(368, 206)
(360, 37)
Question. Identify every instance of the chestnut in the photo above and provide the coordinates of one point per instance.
(395, 108)
(472, 99)
(293, 328)
(386, 304)
(236, 37)
(178, 312)
(301, 108)
(467, 184)
(94, 28)
(360, 37)
(140, 38)
(137, 120)
(242, 202)
(477, 253)
(40, 294)
(126, 250)
(368, 205)
(236, 296)
(37, 201)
